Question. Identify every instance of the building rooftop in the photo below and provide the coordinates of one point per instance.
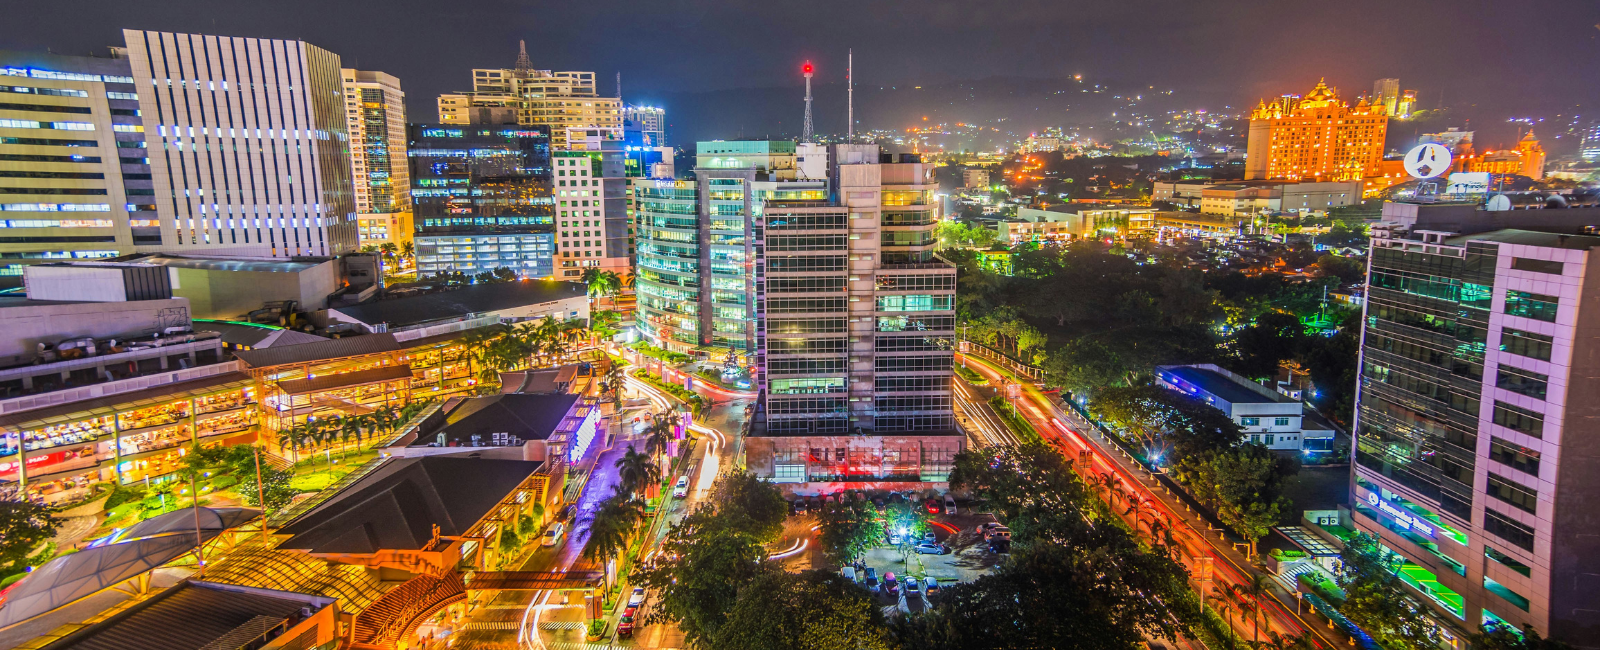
(529, 417)
(1224, 387)
(349, 346)
(1530, 238)
(252, 335)
(193, 615)
(398, 504)
(474, 299)
(269, 265)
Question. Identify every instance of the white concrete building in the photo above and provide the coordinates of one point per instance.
(1269, 418)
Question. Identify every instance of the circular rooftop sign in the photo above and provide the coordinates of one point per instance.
(1428, 160)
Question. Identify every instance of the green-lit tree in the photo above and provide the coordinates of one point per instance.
(816, 610)
(1377, 601)
(24, 525)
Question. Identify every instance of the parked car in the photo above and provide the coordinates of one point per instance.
(872, 580)
(949, 505)
(983, 528)
(933, 587)
(931, 549)
(636, 598)
(996, 531)
(552, 535)
(895, 537)
(929, 537)
(934, 506)
(913, 587)
(681, 488)
(625, 626)
(799, 506)
(849, 573)
(890, 584)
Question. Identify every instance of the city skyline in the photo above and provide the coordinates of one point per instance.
(1469, 59)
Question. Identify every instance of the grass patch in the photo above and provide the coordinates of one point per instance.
(970, 375)
(1014, 422)
(696, 403)
(644, 348)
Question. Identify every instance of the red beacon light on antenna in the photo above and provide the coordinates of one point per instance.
(806, 69)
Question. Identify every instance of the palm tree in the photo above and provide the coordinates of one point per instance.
(1225, 605)
(611, 529)
(1257, 587)
(637, 472)
(408, 250)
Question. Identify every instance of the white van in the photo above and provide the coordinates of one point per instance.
(681, 489)
(552, 535)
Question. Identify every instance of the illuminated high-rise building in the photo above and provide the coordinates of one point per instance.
(1315, 138)
(483, 198)
(559, 100)
(649, 121)
(376, 111)
(249, 145)
(1387, 93)
(74, 177)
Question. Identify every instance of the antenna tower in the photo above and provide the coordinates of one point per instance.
(850, 94)
(805, 131)
(524, 65)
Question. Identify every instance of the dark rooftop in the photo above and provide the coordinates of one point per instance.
(396, 506)
(253, 335)
(476, 299)
(350, 346)
(529, 417)
(268, 265)
(1222, 386)
(189, 616)
(1530, 238)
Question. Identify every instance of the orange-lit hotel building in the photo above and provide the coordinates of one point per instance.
(1315, 138)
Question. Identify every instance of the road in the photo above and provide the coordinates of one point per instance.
(540, 620)
(1201, 541)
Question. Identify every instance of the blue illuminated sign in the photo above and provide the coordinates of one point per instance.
(1402, 518)
(582, 436)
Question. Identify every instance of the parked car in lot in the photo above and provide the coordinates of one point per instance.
(894, 537)
(872, 580)
(890, 584)
(913, 588)
(949, 505)
(552, 535)
(799, 506)
(934, 506)
(681, 488)
(933, 587)
(929, 537)
(931, 549)
(636, 598)
(983, 528)
(997, 531)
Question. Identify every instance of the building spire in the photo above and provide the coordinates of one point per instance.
(850, 95)
(524, 65)
(805, 131)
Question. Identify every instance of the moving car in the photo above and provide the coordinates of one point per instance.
(681, 488)
(636, 598)
(931, 549)
(552, 535)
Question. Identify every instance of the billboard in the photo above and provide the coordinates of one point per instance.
(1468, 183)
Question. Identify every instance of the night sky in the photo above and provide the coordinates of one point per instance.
(1513, 57)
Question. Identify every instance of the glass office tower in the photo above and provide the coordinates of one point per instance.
(482, 196)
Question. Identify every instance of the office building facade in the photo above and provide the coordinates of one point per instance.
(74, 173)
(376, 113)
(1478, 371)
(249, 145)
(856, 332)
(649, 121)
(591, 205)
(1318, 137)
(482, 198)
(696, 245)
(534, 98)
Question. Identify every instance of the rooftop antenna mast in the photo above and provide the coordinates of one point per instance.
(619, 84)
(805, 131)
(850, 95)
(524, 65)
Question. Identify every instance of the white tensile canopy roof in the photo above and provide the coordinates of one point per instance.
(115, 558)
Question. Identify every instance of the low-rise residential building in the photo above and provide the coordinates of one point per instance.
(1268, 418)
(1249, 197)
